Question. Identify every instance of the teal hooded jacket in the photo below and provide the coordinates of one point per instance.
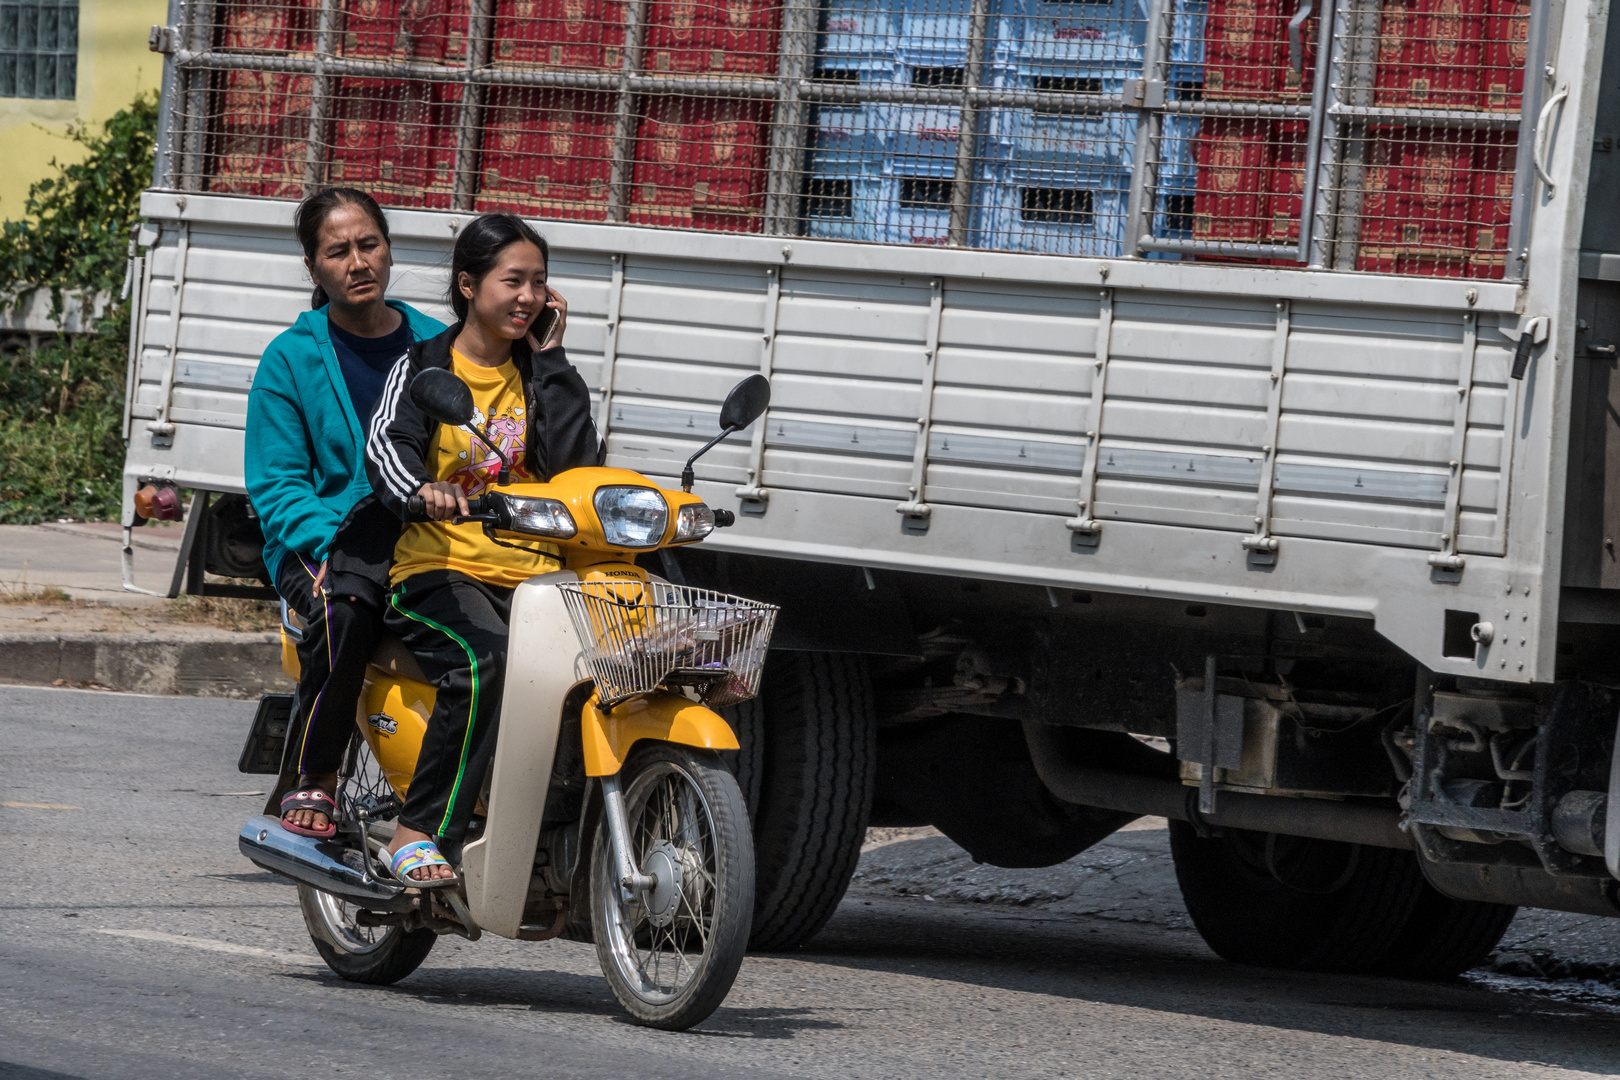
(305, 455)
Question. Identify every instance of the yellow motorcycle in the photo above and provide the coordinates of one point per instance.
(608, 813)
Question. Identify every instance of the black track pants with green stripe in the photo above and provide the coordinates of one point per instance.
(456, 626)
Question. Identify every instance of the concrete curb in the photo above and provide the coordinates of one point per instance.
(221, 664)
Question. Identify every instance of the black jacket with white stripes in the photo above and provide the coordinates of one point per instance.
(560, 434)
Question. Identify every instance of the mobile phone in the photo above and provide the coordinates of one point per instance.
(544, 323)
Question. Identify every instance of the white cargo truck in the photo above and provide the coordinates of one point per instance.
(1179, 408)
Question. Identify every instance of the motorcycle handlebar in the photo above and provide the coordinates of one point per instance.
(416, 507)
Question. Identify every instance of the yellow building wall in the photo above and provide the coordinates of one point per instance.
(114, 65)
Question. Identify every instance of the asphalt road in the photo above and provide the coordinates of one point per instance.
(136, 942)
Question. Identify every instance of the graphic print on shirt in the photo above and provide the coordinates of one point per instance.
(506, 431)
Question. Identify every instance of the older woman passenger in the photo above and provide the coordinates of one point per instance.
(328, 543)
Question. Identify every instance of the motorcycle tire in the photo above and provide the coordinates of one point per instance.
(688, 826)
(378, 955)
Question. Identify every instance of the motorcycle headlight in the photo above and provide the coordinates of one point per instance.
(632, 517)
(540, 517)
(694, 522)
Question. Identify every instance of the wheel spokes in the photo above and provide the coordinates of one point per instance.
(668, 808)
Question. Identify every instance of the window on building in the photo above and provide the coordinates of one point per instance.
(39, 48)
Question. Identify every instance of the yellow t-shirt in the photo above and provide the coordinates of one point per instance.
(454, 455)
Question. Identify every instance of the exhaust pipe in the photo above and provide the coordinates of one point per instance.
(326, 865)
(1317, 819)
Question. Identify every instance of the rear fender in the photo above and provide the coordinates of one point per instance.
(609, 736)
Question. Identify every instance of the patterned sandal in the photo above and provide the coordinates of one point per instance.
(423, 853)
(310, 799)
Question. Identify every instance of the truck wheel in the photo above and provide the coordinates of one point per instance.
(1287, 902)
(806, 767)
(1444, 937)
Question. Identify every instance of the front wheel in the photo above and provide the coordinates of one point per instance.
(672, 954)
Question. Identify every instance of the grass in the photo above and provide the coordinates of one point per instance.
(226, 613)
(20, 592)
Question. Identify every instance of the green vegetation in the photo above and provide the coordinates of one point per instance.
(61, 405)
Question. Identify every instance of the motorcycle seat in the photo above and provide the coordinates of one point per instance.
(392, 656)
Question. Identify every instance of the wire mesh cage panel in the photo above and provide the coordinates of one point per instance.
(638, 636)
(1371, 135)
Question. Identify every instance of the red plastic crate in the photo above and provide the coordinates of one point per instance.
(1507, 29)
(395, 139)
(701, 164)
(1286, 200)
(1438, 204)
(1232, 199)
(426, 30)
(262, 165)
(261, 101)
(1428, 195)
(1246, 56)
(547, 153)
(560, 33)
(261, 142)
(1493, 202)
(713, 36)
(249, 26)
(1431, 54)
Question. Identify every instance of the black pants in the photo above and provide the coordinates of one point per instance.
(338, 641)
(456, 626)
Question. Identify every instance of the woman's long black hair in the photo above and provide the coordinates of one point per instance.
(312, 214)
(479, 247)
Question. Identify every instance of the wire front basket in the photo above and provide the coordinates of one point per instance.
(639, 636)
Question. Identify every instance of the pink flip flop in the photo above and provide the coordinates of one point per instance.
(311, 799)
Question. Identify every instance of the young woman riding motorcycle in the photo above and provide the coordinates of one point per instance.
(451, 584)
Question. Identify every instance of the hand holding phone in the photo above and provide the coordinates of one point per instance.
(548, 328)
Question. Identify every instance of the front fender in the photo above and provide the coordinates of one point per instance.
(609, 736)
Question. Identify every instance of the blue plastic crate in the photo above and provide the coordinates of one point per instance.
(924, 139)
(1187, 37)
(849, 139)
(1173, 208)
(1177, 136)
(861, 28)
(1076, 33)
(906, 203)
(1053, 211)
(933, 33)
(1037, 139)
(846, 207)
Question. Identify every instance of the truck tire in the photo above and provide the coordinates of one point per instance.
(1444, 937)
(1287, 902)
(806, 768)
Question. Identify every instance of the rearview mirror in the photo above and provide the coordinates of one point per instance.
(444, 397)
(746, 403)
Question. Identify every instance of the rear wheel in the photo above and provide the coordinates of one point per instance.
(671, 954)
(1289, 902)
(379, 955)
(807, 763)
